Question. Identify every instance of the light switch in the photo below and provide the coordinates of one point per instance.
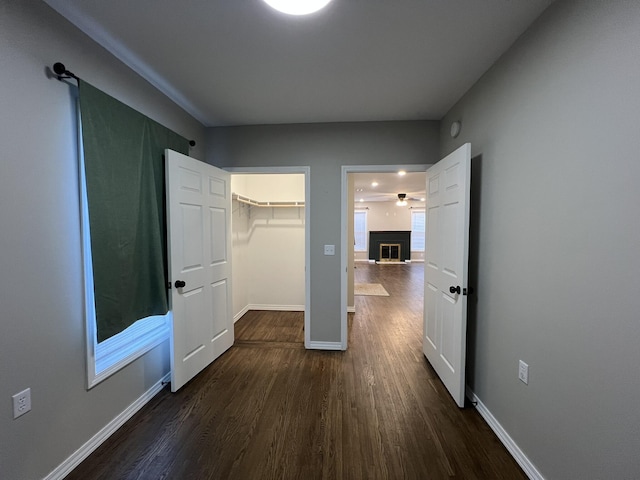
(329, 249)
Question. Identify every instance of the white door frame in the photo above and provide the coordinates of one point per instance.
(307, 237)
(344, 244)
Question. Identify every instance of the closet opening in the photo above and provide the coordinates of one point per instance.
(269, 223)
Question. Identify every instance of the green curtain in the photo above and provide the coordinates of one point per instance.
(124, 165)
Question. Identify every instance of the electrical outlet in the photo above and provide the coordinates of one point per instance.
(523, 372)
(21, 403)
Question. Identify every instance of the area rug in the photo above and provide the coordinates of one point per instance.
(374, 289)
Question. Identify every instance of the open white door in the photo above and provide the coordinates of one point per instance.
(199, 237)
(445, 272)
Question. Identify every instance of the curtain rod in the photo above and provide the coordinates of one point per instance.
(61, 71)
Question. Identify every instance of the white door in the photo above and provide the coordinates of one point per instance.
(445, 272)
(199, 237)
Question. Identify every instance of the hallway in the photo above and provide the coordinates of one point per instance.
(269, 409)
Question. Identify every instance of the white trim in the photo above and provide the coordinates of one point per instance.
(99, 438)
(351, 309)
(271, 307)
(325, 346)
(518, 455)
(306, 171)
(120, 350)
(239, 315)
(344, 213)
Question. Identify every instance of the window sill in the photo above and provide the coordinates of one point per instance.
(120, 350)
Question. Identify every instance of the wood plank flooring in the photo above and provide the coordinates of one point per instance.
(269, 409)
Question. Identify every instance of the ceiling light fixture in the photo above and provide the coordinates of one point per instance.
(402, 173)
(401, 200)
(374, 184)
(297, 7)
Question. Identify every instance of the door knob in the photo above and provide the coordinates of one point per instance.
(180, 283)
(454, 290)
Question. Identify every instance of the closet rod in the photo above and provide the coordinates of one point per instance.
(256, 203)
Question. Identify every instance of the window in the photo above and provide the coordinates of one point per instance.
(123, 230)
(417, 230)
(107, 357)
(360, 230)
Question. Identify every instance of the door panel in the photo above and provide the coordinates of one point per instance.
(219, 307)
(198, 244)
(192, 250)
(218, 235)
(447, 251)
(430, 306)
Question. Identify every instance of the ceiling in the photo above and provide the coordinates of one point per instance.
(238, 62)
(389, 185)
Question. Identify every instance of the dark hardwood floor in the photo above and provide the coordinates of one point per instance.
(269, 409)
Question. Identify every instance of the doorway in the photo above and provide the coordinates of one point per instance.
(347, 233)
(270, 240)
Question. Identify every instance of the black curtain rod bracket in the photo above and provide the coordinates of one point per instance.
(61, 71)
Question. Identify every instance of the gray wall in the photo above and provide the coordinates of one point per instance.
(42, 343)
(556, 239)
(324, 148)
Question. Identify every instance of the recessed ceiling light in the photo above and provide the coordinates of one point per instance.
(402, 173)
(297, 7)
(362, 199)
(422, 199)
(374, 184)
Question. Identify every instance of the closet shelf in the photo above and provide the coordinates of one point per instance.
(256, 203)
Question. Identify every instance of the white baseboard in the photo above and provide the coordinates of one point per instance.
(281, 308)
(351, 309)
(529, 468)
(324, 346)
(239, 315)
(99, 438)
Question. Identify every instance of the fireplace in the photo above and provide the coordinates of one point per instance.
(390, 252)
(390, 246)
